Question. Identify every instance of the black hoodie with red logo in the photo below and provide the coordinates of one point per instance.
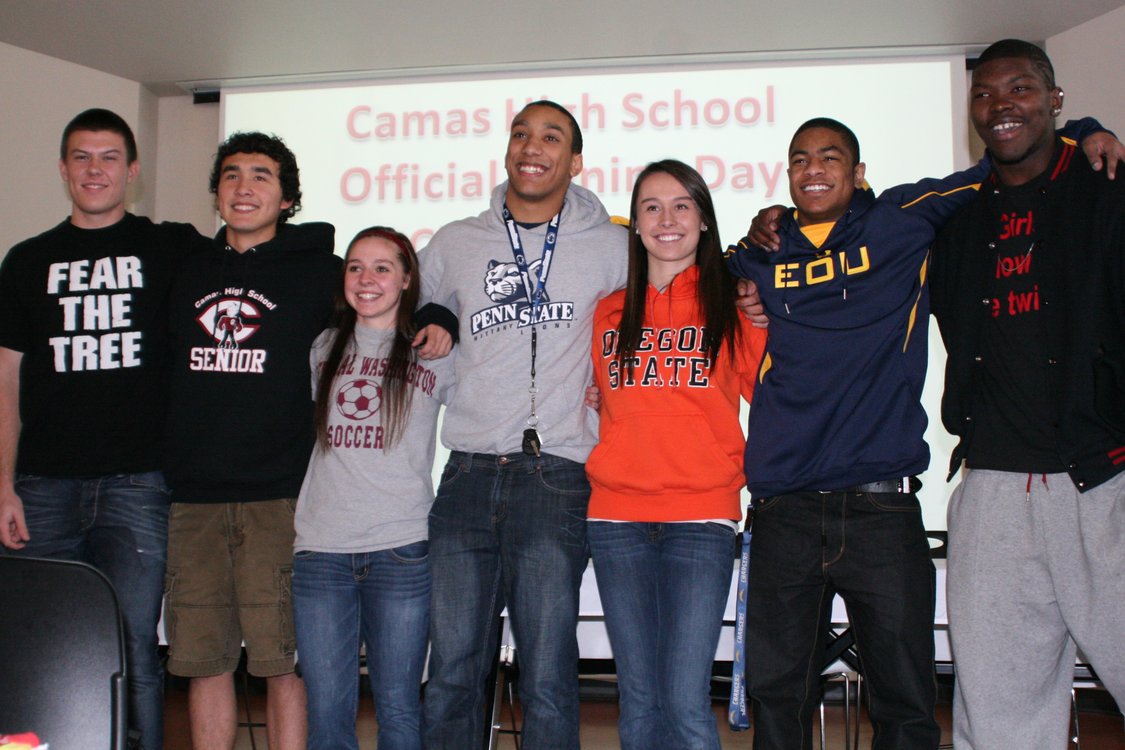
(240, 424)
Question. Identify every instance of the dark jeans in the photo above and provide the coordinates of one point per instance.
(506, 530)
(664, 588)
(118, 524)
(872, 550)
(381, 599)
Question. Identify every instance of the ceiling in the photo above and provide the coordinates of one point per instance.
(162, 43)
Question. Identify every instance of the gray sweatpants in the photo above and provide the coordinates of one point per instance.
(1031, 574)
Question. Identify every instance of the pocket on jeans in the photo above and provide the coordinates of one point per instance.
(764, 505)
(895, 502)
(564, 478)
(452, 471)
(23, 480)
(412, 554)
(150, 480)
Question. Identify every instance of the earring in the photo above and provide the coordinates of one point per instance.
(638, 231)
(702, 227)
(1056, 110)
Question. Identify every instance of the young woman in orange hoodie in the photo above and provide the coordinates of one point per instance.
(672, 356)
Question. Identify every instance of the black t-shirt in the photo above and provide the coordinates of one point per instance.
(1016, 410)
(88, 310)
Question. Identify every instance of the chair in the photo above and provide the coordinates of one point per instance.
(499, 688)
(841, 648)
(62, 654)
(1085, 678)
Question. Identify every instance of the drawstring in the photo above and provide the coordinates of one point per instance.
(1043, 478)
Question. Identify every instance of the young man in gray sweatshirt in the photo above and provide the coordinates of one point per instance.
(508, 527)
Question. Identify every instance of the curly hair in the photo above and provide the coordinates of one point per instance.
(273, 147)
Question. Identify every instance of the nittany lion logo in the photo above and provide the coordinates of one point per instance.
(230, 322)
(503, 283)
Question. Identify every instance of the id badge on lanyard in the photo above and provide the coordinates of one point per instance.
(531, 444)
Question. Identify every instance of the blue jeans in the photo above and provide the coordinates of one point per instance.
(119, 524)
(872, 550)
(382, 599)
(506, 530)
(664, 588)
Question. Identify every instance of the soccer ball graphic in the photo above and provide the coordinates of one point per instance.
(359, 399)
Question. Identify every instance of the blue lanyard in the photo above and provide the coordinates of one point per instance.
(536, 295)
(737, 715)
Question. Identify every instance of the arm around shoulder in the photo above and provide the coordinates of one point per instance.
(437, 328)
(1100, 145)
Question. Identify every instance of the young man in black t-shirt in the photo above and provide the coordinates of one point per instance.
(82, 374)
(1029, 292)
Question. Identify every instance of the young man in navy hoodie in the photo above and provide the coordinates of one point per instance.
(835, 442)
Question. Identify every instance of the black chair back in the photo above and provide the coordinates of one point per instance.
(62, 654)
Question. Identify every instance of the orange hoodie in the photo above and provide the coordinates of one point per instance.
(670, 444)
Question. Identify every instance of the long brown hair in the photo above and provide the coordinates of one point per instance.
(716, 292)
(397, 393)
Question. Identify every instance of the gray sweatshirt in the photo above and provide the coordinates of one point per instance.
(468, 267)
(357, 497)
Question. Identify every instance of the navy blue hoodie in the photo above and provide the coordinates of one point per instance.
(838, 397)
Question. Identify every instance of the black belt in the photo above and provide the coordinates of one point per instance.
(903, 486)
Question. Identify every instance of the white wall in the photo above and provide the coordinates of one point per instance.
(1087, 62)
(38, 96)
(187, 137)
(175, 138)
